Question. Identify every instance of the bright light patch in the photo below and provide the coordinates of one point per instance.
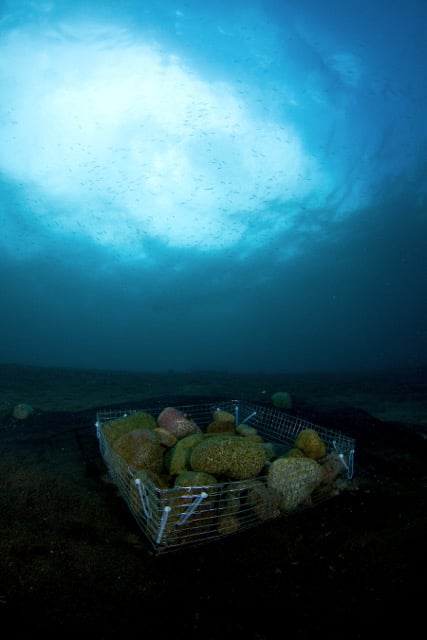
(133, 143)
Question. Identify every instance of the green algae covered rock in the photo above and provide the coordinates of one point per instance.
(246, 430)
(293, 453)
(22, 411)
(113, 429)
(177, 458)
(195, 479)
(295, 479)
(218, 426)
(229, 456)
(282, 400)
(223, 416)
(222, 422)
(141, 449)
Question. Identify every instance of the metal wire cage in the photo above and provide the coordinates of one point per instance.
(173, 517)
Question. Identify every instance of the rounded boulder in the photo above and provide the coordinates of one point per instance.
(141, 450)
(295, 479)
(231, 456)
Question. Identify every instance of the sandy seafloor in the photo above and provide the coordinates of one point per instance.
(73, 560)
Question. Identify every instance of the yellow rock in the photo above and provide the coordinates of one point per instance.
(220, 426)
(293, 453)
(223, 416)
(310, 443)
(113, 429)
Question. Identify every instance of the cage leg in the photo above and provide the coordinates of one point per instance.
(192, 507)
(251, 415)
(142, 492)
(163, 522)
(348, 465)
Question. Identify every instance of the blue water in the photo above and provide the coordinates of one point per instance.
(213, 185)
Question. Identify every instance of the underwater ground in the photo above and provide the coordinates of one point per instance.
(72, 558)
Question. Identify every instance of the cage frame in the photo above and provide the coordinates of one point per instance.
(172, 518)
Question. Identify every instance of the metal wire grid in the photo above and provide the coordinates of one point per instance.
(171, 518)
(277, 426)
(180, 516)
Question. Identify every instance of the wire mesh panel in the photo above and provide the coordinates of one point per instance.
(173, 516)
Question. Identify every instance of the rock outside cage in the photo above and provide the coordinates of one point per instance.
(201, 505)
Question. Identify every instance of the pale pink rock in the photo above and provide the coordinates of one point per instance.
(176, 422)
